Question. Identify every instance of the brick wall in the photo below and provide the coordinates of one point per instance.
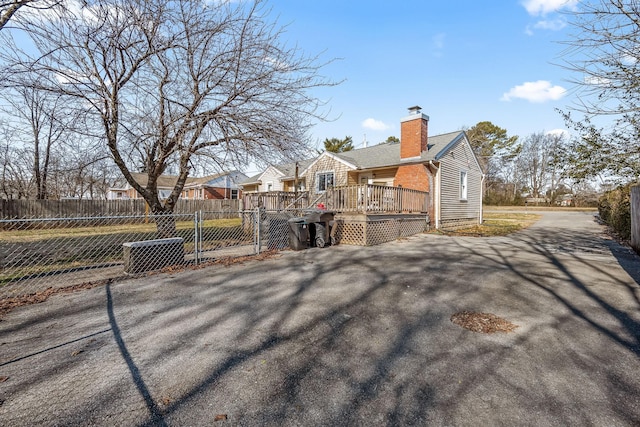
(415, 177)
(413, 137)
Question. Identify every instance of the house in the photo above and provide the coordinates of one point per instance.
(444, 166)
(277, 178)
(218, 186)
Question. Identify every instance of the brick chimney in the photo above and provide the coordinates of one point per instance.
(413, 134)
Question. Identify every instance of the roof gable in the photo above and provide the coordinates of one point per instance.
(460, 138)
(331, 155)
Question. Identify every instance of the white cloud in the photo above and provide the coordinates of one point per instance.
(628, 59)
(538, 91)
(542, 7)
(553, 25)
(597, 81)
(560, 132)
(549, 25)
(374, 124)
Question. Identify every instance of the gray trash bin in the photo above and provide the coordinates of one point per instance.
(298, 234)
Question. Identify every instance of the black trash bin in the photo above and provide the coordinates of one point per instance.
(319, 225)
(298, 234)
(319, 234)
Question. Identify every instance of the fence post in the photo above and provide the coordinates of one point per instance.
(258, 225)
(196, 238)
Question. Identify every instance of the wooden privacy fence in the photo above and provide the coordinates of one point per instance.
(369, 198)
(10, 209)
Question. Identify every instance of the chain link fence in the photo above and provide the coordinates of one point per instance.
(38, 254)
(41, 254)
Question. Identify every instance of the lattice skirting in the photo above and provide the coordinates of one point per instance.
(375, 232)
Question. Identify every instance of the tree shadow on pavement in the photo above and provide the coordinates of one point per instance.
(362, 336)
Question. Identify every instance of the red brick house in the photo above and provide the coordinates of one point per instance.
(218, 186)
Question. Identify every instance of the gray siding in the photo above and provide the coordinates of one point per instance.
(452, 207)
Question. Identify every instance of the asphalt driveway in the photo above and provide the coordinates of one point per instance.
(345, 336)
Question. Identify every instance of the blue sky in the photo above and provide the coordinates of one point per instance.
(462, 61)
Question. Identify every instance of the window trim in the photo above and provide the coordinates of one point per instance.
(463, 185)
(333, 180)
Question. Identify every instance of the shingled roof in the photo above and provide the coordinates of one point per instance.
(388, 154)
(376, 156)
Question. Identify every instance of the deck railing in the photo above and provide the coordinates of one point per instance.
(367, 198)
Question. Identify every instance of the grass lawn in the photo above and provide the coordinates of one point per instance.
(39, 234)
(42, 250)
(497, 224)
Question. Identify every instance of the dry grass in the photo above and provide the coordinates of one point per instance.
(497, 224)
(37, 234)
(537, 209)
(486, 323)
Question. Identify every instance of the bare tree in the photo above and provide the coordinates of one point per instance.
(15, 179)
(40, 121)
(535, 162)
(178, 83)
(10, 8)
(603, 52)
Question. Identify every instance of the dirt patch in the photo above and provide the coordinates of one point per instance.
(486, 323)
(8, 304)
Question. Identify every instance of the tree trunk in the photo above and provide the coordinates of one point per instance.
(165, 222)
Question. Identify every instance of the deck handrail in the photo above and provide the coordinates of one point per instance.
(370, 198)
(363, 198)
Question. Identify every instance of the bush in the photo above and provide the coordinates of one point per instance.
(614, 208)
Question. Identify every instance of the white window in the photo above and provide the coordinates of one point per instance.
(463, 185)
(324, 180)
(269, 186)
(234, 194)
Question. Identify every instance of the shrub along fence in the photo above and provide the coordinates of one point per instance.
(614, 208)
(11, 209)
(635, 218)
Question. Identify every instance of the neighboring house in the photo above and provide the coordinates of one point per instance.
(444, 165)
(277, 178)
(219, 186)
(566, 200)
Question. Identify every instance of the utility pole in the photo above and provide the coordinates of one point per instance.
(295, 187)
